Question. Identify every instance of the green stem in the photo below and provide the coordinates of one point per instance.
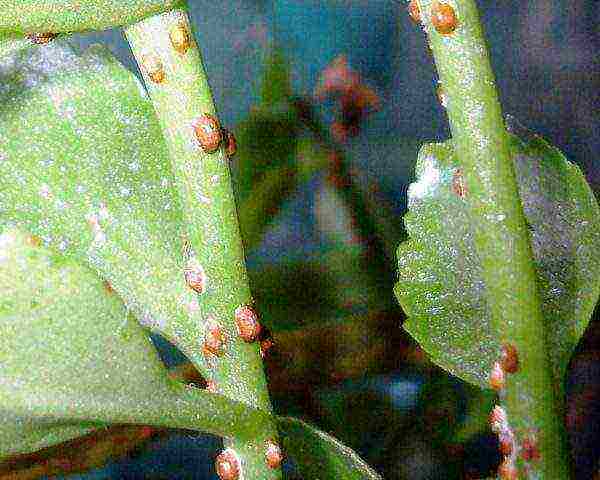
(64, 16)
(180, 96)
(501, 236)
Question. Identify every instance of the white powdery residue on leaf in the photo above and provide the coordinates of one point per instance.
(7, 240)
(429, 179)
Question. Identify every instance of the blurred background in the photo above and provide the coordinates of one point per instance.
(330, 101)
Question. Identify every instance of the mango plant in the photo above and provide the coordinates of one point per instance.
(118, 219)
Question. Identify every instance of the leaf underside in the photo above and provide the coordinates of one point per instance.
(440, 284)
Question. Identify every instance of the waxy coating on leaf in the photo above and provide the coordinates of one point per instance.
(41, 38)
(443, 18)
(153, 68)
(509, 358)
(195, 278)
(208, 132)
(214, 340)
(180, 38)
(247, 323)
(273, 455)
(227, 465)
(497, 378)
(414, 12)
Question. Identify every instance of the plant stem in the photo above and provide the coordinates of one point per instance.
(180, 97)
(501, 235)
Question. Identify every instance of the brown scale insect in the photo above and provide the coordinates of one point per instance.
(208, 132)
(497, 419)
(41, 38)
(497, 380)
(509, 358)
(507, 470)
(33, 241)
(414, 12)
(214, 340)
(459, 186)
(194, 275)
(227, 465)
(529, 450)
(247, 323)
(153, 68)
(231, 143)
(443, 18)
(180, 38)
(211, 386)
(506, 444)
(273, 455)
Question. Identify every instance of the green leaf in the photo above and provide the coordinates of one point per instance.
(84, 167)
(320, 456)
(440, 284)
(276, 87)
(72, 359)
(61, 330)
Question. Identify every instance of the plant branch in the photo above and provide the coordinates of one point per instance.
(501, 236)
(172, 67)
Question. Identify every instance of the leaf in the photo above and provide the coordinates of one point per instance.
(440, 284)
(319, 455)
(276, 87)
(72, 358)
(62, 330)
(84, 167)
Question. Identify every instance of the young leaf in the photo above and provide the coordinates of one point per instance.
(440, 284)
(84, 167)
(319, 455)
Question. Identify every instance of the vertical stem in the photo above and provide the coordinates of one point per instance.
(534, 411)
(172, 67)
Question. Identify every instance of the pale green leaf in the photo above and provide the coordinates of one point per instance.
(84, 167)
(440, 283)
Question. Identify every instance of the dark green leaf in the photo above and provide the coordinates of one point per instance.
(320, 456)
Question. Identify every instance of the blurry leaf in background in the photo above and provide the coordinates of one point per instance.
(440, 285)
